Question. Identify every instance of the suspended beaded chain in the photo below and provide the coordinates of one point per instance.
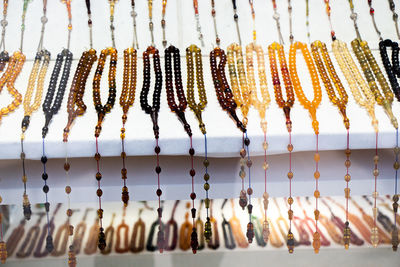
(391, 70)
(15, 64)
(286, 106)
(4, 57)
(240, 91)
(197, 108)
(197, 17)
(311, 106)
(153, 112)
(126, 101)
(227, 102)
(35, 78)
(9, 76)
(51, 106)
(102, 110)
(360, 90)
(328, 76)
(164, 7)
(395, 17)
(241, 94)
(179, 110)
(260, 105)
(76, 107)
(371, 69)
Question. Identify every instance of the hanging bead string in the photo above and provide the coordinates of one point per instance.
(369, 66)
(151, 25)
(213, 14)
(126, 100)
(308, 22)
(395, 17)
(253, 16)
(198, 108)
(276, 17)
(51, 106)
(37, 78)
(286, 106)
(291, 37)
(134, 15)
(4, 57)
(102, 110)
(242, 99)
(340, 100)
(261, 106)
(372, 13)
(90, 23)
(311, 106)
(197, 17)
(396, 166)
(164, 5)
(153, 112)
(390, 69)
(179, 110)
(112, 27)
(236, 19)
(76, 107)
(15, 64)
(328, 12)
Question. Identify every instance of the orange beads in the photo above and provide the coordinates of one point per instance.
(311, 106)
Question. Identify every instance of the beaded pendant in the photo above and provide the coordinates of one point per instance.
(36, 77)
(392, 70)
(76, 107)
(153, 112)
(311, 106)
(127, 98)
(285, 105)
(383, 97)
(102, 110)
(51, 106)
(339, 98)
(197, 108)
(179, 110)
(261, 106)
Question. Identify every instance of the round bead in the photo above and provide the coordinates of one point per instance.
(46, 189)
(99, 192)
(98, 176)
(191, 151)
(159, 192)
(206, 163)
(193, 196)
(290, 175)
(290, 147)
(347, 163)
(158, 169)
(68, 189)
(316, 157)
(290, 200)
(206, 177)
(157, 149)
(316, 194)
(249, 191)
(317, 175)
(66, 166)
(192, 172)
(347, 177)
(69, 212)
(206, 186)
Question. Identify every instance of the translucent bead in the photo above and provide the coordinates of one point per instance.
(316, 242)
(266, 231)
(3, 252)
(374, 237)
